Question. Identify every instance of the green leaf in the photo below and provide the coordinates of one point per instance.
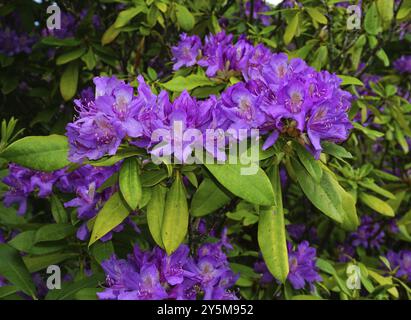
(175, 218)
(89, 59)
(110, 35)
(309, 163)
(68, 291)
(327, 196)
(130, 182)
(102, 250)
(320, 195)
(69, 81)
(348, 80)
(110, 216)
(371, 20)
(54, 232)
(255, 188)
(56, 42)
(335, 150)
(377, 204)
(14, 270)
(386, 11)
(87, 294)
(37, 263)
(369, 184)
(125, 16)
(185, 18)
(7, 291)
(207, 199)
(70, 56)
(291, 29)
(370, 133)
(57, 210)
(384, 281)
(271, 232)
(120, 155)
(155, 212)
(44, 153)
(316, 15)
(383, 57)
(151, 178)
(179, 83)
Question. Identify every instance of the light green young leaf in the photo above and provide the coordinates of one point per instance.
(272, 234)
(110, 216)
(130, 182)
(155, 212)
(175, 218)
(70, 56)
(377, 204)
(69, 81)
(254, 188)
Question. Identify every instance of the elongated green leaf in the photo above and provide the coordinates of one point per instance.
(69, 81)
(377, 189)
(151, 178)
(130, 182)
(386, 11)
(377, 204)
(70, 56)
(316, 15)
(291, 29)
(336, 150)
(56, 42)
(120, 155)
(155, 211)
(110, 35)
(185, 18)
(271, 232)
(371, 20)
(57, 210)
(125, 16)
(68, 291)
(37, 263)
(207, 199)
(110, 216)
(322, 195)
(44, 153)
(54, 232)
(384, 281)
(308, 161)
(255, 188)
(347, 80)
(175, 218)
(179, 83)
(14, 270)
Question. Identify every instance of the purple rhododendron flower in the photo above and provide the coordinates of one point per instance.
(149, 275)
(403, 64)
(402, 262)
(186, 52)
(302, 266)
(368, 235)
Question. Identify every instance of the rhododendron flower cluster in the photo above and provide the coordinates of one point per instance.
(277, 94)
(152, 275)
